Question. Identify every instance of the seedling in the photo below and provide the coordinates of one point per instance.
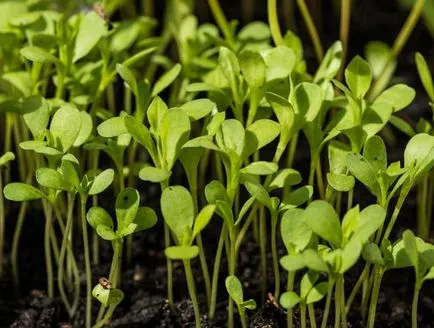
(235, 290)
(130, 218)
(346, 243)
(4, 159)
(109, 297)
(178, 211)
(421, 256)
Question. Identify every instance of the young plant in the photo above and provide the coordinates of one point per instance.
(178, 211)
(426, 185)
(235, 291)
(421, 256)
(345, 246)
(169, 130)
(4, 159)
(130, 218)
(311, 291)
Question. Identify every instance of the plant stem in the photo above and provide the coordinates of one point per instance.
(16, 242)
(402, 196)
(378, 274)
(319, 178)
(65, 240)
(341, 281)
(113, 275)
(338, 295)
(356, 287)
(164, 185)
(192, 291)
(232, 265)
(422, 219)
(263, 251)
(319, 52)
(273, 21)
(216, 272)
(2, 224)
(276, 270)
(414, 304)
(290, 287)
(303, 315)
(312, 318)
(106, 317)
(344, 32)
(204, 266)
(222, 22)
(328, 303)
(399, 43)
(48, 258)
(86, 262)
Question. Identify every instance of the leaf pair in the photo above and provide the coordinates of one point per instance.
(235, 291)
(178, 212)
(310, 292)
(130, 217)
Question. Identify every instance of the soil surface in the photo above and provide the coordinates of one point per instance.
(143, 281)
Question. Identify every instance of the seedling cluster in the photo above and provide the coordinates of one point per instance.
(96, 111)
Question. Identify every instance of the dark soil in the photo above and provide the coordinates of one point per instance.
(143, 281)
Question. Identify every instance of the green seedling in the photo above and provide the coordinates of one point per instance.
(426, 185)
(295, 198)
(4, 160)
(345, 240)
(359, 119)
(109, 297)
(130, 218)
(235, 290)
(421, 256)
(89, 185)
(408, 251)
(296, 236)
(311, 291)
(169, 130)
(178, 211)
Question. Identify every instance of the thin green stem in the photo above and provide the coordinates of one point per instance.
(319, 52)
(273, 21)
(216, 272)
(402, 196)
(414, 305)
(232, 266)
(290, 287)
(2, 225)
(222, 22)
(338, 296)
(312, 319)
(344, 32)
(65, 240)
(378, 274)
(356, 287)
(276, 270)
(328, 303)
(106, 317)
(350, 197)
(86, 262)
(422, 218)
(16, 241)
(399, 43)
(47, 248)
(204, 266)
(319, 178)
(342, 302)
(192, 291)
(263, 251)
(164, 185)
(303, 315)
